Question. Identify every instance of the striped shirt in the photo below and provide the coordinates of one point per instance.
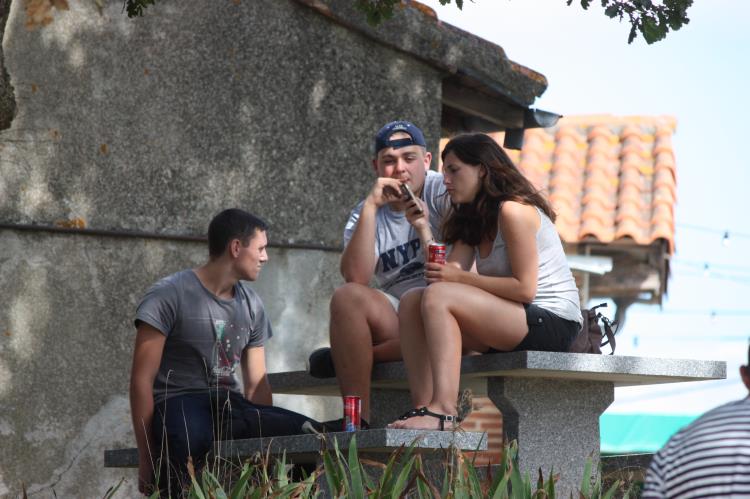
(708, 458)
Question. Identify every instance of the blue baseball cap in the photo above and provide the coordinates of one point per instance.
(383, 137)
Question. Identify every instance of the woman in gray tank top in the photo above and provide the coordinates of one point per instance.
(522, 297)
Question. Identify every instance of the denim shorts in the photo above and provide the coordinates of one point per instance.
(548, 332)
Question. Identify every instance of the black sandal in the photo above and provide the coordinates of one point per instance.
(423, 411)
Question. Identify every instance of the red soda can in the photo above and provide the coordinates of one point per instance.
(352, 413)
(436, 253)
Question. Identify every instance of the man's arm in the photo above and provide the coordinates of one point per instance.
(254, 376)
(417, 213)
(462, 256)
(519, 226)
(359, 259)
(149, 345)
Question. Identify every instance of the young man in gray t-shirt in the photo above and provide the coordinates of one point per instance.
(385, 240)
(199, 330)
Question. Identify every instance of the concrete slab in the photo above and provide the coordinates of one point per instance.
(618, 369)
(306, 448)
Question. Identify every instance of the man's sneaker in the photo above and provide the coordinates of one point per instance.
(313, 427)
(320, 364)
(335, 425)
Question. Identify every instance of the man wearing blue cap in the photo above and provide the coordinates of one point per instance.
(385, 239)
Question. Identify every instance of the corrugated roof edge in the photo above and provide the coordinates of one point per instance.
(417, 31)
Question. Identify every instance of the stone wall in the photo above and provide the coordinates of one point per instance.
(151, 126)
(7, 99)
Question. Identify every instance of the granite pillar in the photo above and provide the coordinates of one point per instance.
(556, 423)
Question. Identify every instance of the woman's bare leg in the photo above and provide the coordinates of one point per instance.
(414, 347)
(456, 315)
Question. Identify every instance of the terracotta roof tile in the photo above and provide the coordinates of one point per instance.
(608, 178)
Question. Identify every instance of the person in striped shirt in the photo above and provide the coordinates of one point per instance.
(708, 458)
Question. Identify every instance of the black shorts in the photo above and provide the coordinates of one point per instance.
(548, 332)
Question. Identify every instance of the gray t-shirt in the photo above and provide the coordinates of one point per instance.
(206, 335)
(399, 251)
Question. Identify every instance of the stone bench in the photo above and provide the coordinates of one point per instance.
(550, 401)
(374, 445)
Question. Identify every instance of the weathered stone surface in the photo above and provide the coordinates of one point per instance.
(422, 35)
(7, 99)
(157, 123)
(619, 369)
(381, 440)
(66, 337)
(556, 423)
(154, 125)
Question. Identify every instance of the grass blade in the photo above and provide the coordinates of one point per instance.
(425, 488)
(527, 484)
(447, 481)
(308, 484)
(210, 483)
(586, 481)
(501, 488)
(282, 476)
(499, 480)
(195, 489)
(516, 481)
(331, 473)
(344, 477)
(111, 491)
(475, 486)
(384, 483)
(401, 481)
(238, 490)
(355, 470)
(611, 492)
(550, 485)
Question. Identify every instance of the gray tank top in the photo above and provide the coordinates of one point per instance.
(556, 289)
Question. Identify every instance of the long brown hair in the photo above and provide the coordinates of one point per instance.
(476, 221)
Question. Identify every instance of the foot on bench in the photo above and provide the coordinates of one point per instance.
(426, 416)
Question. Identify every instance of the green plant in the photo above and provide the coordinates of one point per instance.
(251, 480)
(404, 474)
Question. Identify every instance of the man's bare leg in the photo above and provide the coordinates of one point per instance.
(364, 326)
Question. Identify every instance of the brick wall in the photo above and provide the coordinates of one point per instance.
(486, 417)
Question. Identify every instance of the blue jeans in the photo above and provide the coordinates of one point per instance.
(187, 425)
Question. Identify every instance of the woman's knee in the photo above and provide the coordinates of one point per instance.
(410, 313)
(438, 297)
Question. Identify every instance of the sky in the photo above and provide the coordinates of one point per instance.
(700, 75)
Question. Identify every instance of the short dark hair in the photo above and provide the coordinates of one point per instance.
(230, 224)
